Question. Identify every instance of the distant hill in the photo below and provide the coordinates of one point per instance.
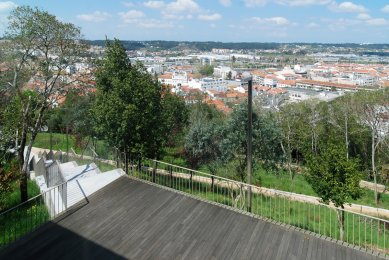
(208, 46)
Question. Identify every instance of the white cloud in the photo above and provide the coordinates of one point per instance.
(377, 22)
(210, 17)
(180, 6)
(272, 20)
(128, 4)
(253, 3)
(303, 2)
(348, 7)
(363, 16)
(385, 9)
(312, 25)
(180, 9)
(154, 4)
(153, 24)
(7, 6)
(96, 16)
(131, 16)
(225, 3)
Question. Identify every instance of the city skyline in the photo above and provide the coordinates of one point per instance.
(325, 21)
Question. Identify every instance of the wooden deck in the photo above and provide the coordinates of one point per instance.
(133, 220)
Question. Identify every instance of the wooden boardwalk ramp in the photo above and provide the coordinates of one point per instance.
(129, 219)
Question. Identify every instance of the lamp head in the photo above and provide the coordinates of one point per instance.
(246, 76)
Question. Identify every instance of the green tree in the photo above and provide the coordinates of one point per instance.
(38, 47)
(229, 75)
(266, 140)
(202, 145)
(334, 178)
(201, 141)
(233, 60)
(175, 117)
(206, 70)
(372, 109)
(128, 109)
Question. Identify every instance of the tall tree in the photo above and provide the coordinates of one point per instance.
(127, 109)
(40, 47)
(372, 109)
(266, 140)
(334, 178)
(288, 117)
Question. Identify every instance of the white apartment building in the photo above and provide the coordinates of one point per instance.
(177, 78)
(205, 84)
(223, 71)
(270, 81)
(258, 77)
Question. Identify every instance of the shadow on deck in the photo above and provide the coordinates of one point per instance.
(132, 219)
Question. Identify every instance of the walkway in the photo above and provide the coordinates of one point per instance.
(131, 219)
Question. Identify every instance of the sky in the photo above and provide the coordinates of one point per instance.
(321, 21)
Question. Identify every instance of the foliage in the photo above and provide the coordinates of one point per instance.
(265, 142)
(202, 145)
(128, 109)
(334, 178)
(8, 175)
(206, 70)
(175, 116)
(39, 47)
(73, 117)
(202, 141)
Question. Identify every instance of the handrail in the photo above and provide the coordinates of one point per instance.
(285, 193)
(345, 225)
(33, 198)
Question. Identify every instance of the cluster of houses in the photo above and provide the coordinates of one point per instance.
(290, 84)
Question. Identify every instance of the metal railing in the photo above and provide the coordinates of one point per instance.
(28, 216)
(362, 231)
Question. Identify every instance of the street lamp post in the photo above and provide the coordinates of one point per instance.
(249, 79)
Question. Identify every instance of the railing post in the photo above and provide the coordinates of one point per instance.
(155, 170)
(126, 162)
(66, 196)
(171, 176)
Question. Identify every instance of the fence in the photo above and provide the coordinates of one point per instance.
(364, 232)
(28, 216)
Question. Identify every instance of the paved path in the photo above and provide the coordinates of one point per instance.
(134, 220)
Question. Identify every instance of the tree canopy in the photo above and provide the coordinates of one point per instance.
(128, 110)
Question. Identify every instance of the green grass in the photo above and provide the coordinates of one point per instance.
(12, 199)
(277, 180)
(365, 232)
(282, 181)
(59, 142)
(42, 140)
(172, 155)
(25, 218)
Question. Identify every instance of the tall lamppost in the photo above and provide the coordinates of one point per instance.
(248, 78)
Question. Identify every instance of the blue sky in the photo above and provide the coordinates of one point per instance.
(330, 21)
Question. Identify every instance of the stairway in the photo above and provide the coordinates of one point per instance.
(79, 182)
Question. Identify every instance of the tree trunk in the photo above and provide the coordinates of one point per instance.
(23, 177)
(346, 137)
(340, 215)
(117, 158)
(373, 147)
